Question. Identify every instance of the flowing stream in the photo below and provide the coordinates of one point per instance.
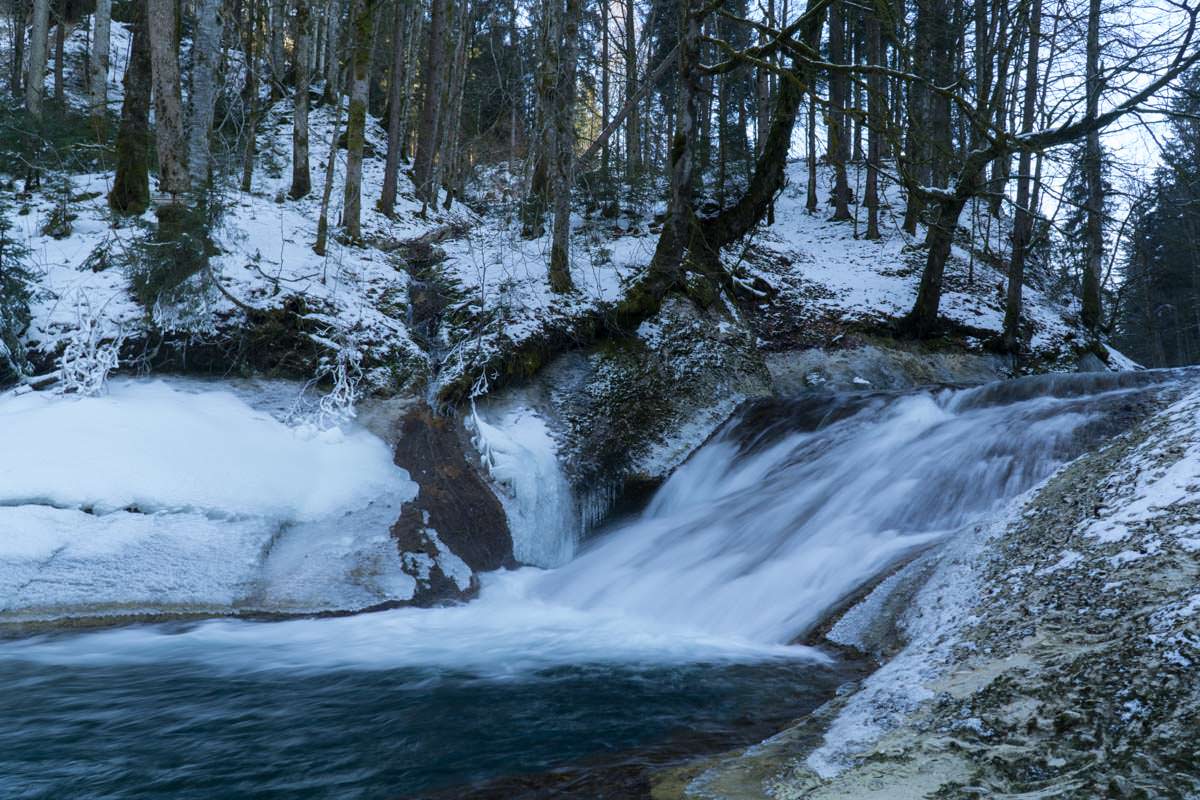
(673, 631)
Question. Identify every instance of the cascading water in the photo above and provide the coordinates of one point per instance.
(679, 618)
(795, 505)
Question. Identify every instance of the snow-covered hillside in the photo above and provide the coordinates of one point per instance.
(434, 297)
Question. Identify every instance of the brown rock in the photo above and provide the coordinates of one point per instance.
(454, 501)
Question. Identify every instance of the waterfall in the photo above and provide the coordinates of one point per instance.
(796, 505)
(681, 620)
(789, 510)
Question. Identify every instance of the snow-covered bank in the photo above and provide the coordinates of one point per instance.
(183, 497)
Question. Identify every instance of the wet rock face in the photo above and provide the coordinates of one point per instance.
(859, 363)
(455, 527)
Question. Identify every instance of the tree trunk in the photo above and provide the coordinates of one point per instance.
(35, 82)
(276, 52)
(356, 117)
(914, 165)
(633, 148)
(397, 81)
(1023, 221)
(415, 40)
(605, 91)
(59, 40)
(330, 166)
(998, 108)
(762, 115)
(17, 15)
(922, 321)
(333, 49)
(301, 177)
(839, 144)
(681, 224)
(433, 78)
(250, 97)
(876, 119)
(168, 104)
(1095, 188)
(206, 55)
(447, 170)
(723, 140)
(130, 193)
(811, 203)
(564, 173)
(769, 175)
(941, 64)
(98, 66)
(545, 147)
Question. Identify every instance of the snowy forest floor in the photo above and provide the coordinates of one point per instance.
(430, 299)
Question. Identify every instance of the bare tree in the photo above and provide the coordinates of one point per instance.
(433, 78)
(35, 81)
(545, 145)
(876, 119)
(250, 94)
(277, 61)
(1092, 168)
(302, 57)
(18, 13)
(564, 161)
(839, 142)
(397, 89)
(330, 166)
(206, 56)
(333, 50)
(632, 141)
(98, 66)
(161, 25)
(356, 117)
(1022, 230)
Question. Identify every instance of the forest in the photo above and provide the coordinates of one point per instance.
(689, 111)
(531, 399)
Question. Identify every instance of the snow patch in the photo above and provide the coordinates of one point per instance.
(153, 446)
(1069, 559)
